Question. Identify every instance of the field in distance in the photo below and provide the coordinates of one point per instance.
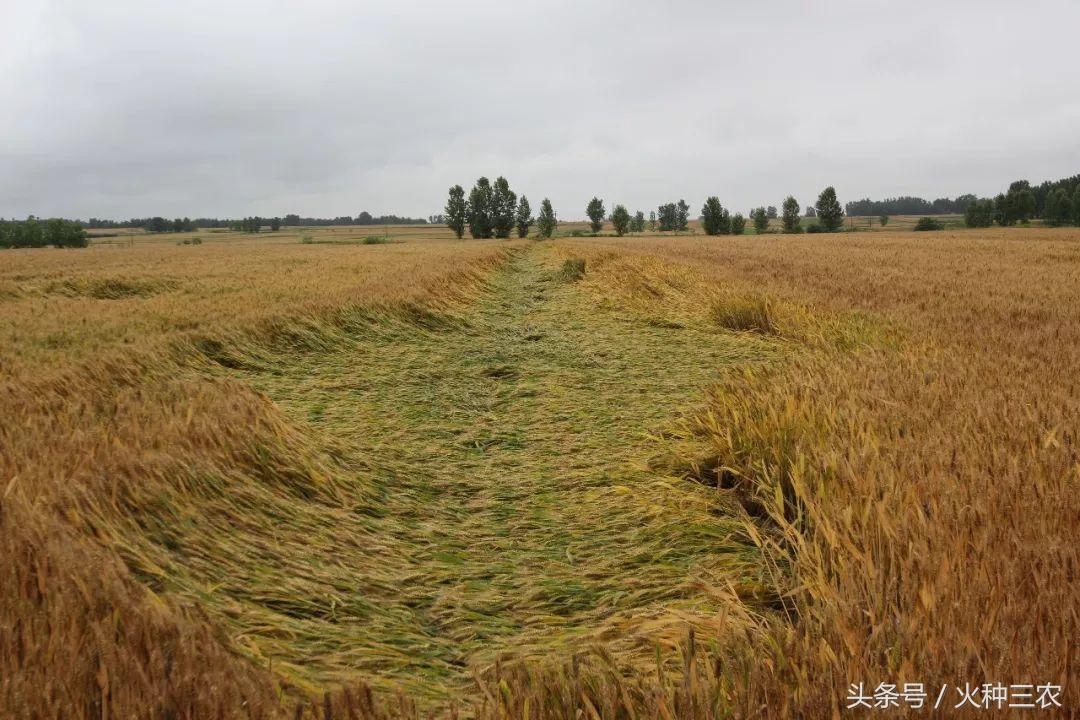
(378, 234)
(650, 476)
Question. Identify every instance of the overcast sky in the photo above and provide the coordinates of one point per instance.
(121, 108)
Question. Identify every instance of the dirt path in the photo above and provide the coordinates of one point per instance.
(510, 509)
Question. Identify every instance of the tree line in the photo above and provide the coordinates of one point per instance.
(1021, 203)
(493, 210)
(910, 205)
(33, 232)
(161, 224)
(364, 218)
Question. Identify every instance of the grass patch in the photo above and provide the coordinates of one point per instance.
(366, 240)
(745, 314)
(112, 288)
(572, 270)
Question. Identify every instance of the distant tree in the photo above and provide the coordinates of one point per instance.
(33, 233)
(1017, 205)
(979, 214)
(1076, 206)
(790, 217)
(761, 220)
(275, 224)
(829, 212)
(364, 218)
(811, 211)
(178, 225)
(523, 217)
(251, 224)
(667, 217)
(770, 212)
(652, 221)
(546, 222)
(1058, 209)
(481, 224)
(962, 203)
(715, 220)
(682, 216)
(595, 212)
(738, 224)
(637, 224)
(503, 205)
(292, 220)
(157, 225)
(884, 220)
(63, 233)
(457, 211)
(620, 218)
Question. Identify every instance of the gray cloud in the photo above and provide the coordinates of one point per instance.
(124, 108)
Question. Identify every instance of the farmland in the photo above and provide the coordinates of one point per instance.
(652, 475)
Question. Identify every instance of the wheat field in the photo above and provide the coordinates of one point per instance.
(308, 475)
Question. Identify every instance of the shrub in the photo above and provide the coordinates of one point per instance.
(928, 223)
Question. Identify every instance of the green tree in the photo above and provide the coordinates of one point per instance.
(157, 225)
(761, 220)
(64, 233)
(546, 222)
(523, 218)
(620, 218)
(790, 218)
(829, 212)
(667, 217)
(715, 220)
(884, 219)
(652, 221)
(637, 224)
(503, 205)
(480, 209)
(275, 224)
(595, 211)
(1076, 206)
(1001, 210)
(738, 224)
(53, 234)
(457, 211)
(1058, 210)
(770, 212)
(682, 216)
(979, 214)
(1018, 205)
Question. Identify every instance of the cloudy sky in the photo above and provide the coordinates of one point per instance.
(121, 108)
